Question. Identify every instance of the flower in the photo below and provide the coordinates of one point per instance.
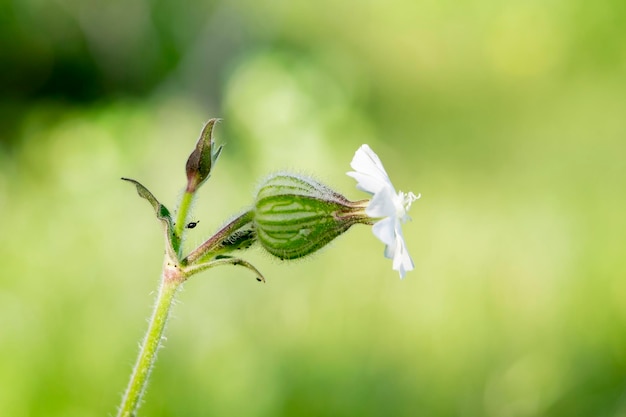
(386, 204)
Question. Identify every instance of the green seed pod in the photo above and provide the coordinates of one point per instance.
(294, 216)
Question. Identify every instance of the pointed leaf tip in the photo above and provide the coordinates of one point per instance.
(145, 193)
(225, 260)
(162, 213)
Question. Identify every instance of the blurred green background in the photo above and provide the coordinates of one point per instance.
(508, 117)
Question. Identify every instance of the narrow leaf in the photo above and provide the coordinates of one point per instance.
(225, 260)
(162, 213)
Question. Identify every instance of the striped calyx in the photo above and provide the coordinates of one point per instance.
(294, 215)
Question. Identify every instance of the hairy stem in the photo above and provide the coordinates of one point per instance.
(213, 243)
(171, 280)
(181, 219)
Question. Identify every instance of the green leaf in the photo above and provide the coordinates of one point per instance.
(162, 213)
(224, 260)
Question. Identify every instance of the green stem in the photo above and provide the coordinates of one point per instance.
(151, 343)
(181, 219)
(216, 240)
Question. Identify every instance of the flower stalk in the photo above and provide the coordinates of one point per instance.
(181, 220)
(171, 280)
(237, 234)
(198, 170)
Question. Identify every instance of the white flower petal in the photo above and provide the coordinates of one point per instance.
(384, 230)
(390, 250)
(369, 171)
(366, 182)
(392, 207)
(402, 261)
(366, 160)
(382, 204)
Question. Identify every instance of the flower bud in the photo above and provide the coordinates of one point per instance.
(202, 159)
(294, 215)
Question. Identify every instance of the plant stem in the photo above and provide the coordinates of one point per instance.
(150, 345)
(181, 219)
(218, 238)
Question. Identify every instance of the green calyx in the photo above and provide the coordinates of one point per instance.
(295, 216)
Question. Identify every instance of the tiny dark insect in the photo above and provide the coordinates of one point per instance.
(191, 225)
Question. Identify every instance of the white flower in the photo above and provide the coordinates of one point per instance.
(392, 207)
